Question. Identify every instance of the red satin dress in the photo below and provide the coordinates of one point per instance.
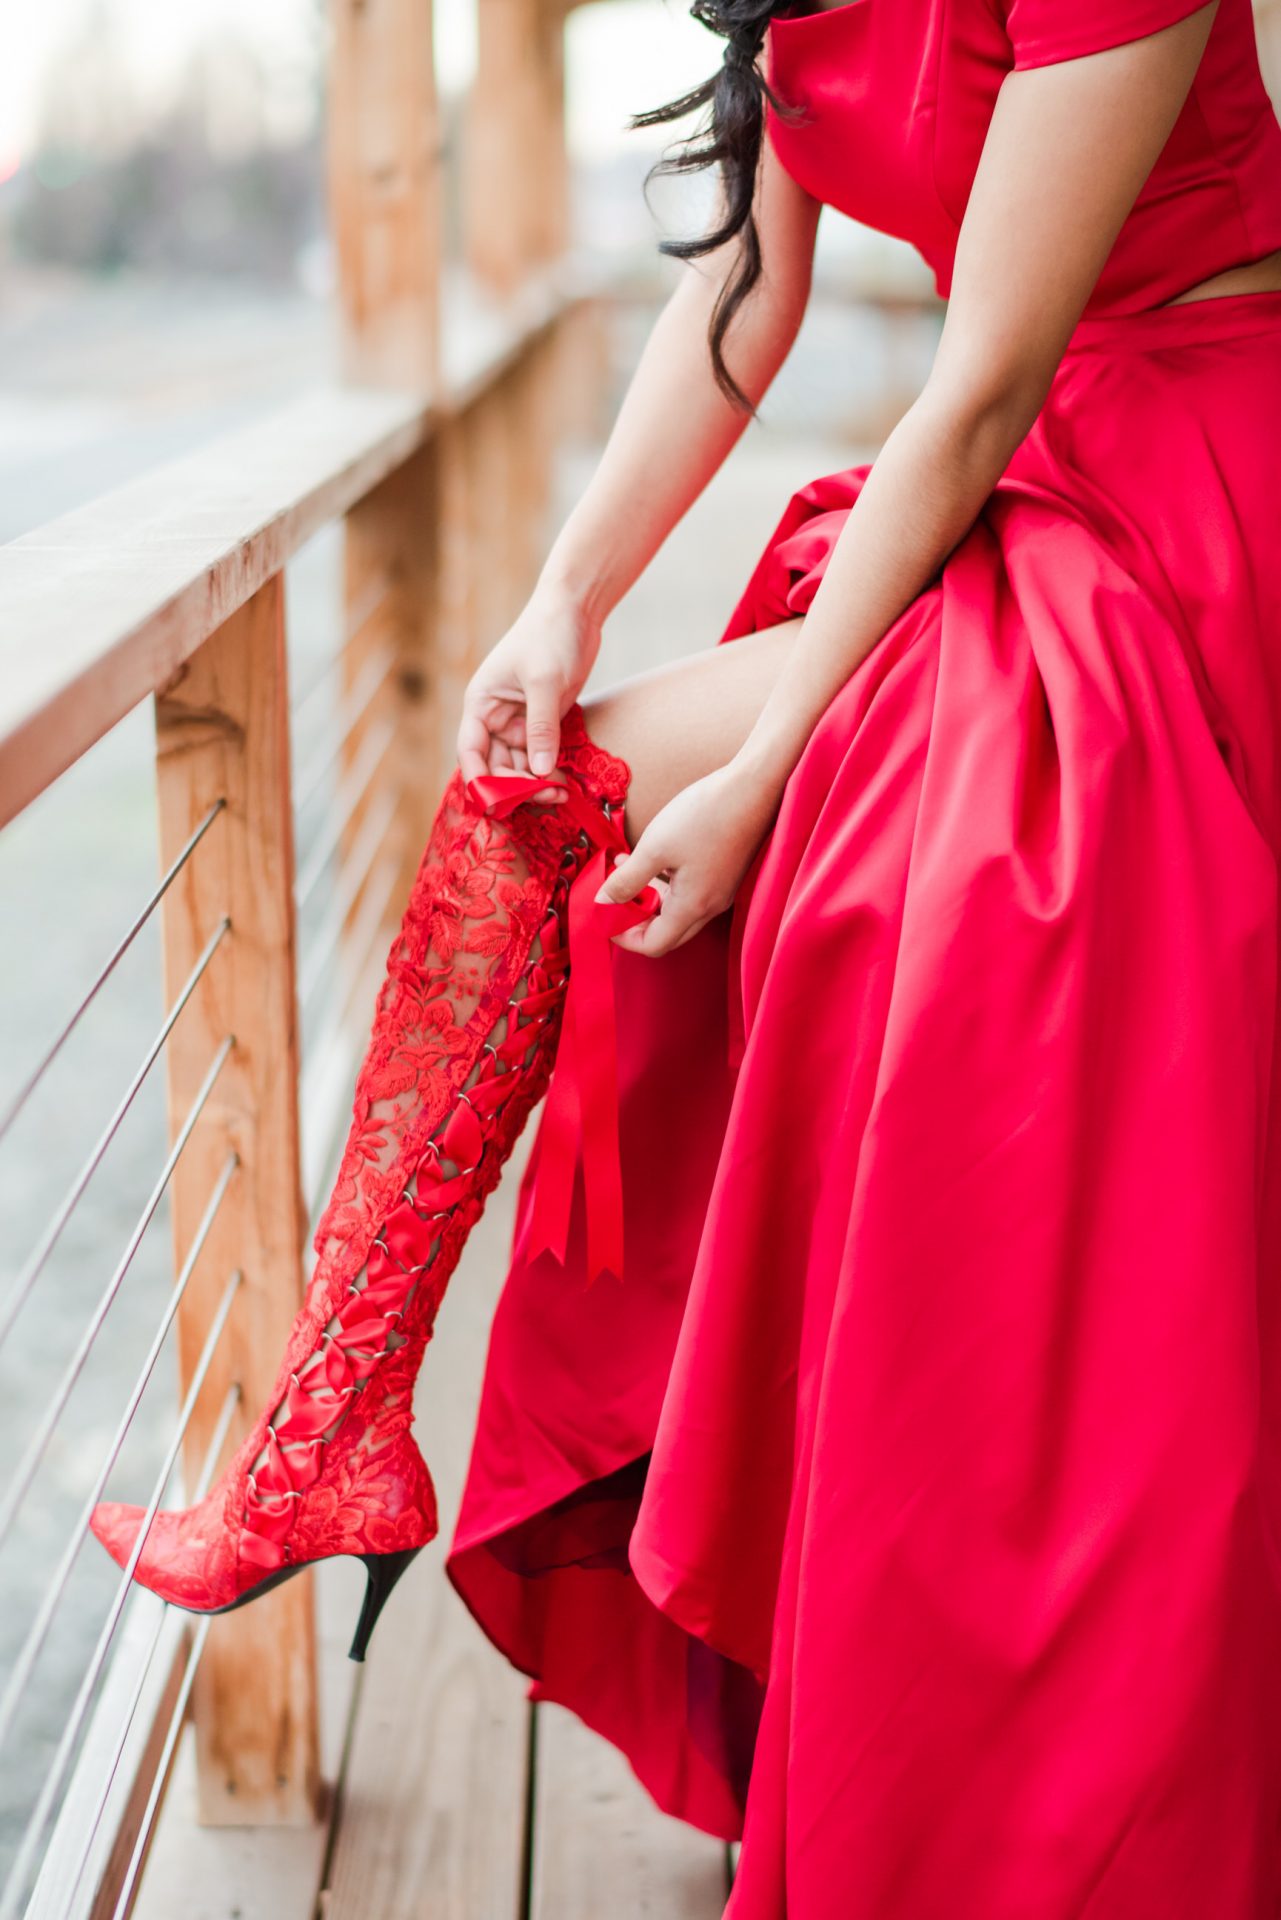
(910, 1505)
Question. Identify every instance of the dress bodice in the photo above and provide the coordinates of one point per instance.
(899, 94)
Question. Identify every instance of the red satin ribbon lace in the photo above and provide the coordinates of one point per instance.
(580, 1119)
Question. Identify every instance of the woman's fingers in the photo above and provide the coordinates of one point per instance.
(473, 744)
(492, 734)
(636, 869)
(681, 913)
(542, 723)
(671, 927)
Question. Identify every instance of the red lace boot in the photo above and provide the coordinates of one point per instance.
(462, 1047)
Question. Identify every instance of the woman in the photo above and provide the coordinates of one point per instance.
(911, 1505)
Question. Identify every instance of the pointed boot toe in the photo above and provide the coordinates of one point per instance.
(116, 1524)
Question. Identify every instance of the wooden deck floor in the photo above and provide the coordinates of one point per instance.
(450, 1797)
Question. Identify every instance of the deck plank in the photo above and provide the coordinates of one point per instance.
(431, 1813)
(428, 1798)
(600, 1843)
(254, 1873)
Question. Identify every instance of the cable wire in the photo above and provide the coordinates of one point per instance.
(53, 1233)
(212, 1453)
(34, 1829)
(30, 1462)
(38, 1631)
(38, 1073)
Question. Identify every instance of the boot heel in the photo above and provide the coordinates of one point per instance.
(383, 1570)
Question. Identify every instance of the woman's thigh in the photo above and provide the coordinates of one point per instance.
(674, 723)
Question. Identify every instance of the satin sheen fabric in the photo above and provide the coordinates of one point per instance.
(911, 1508)
(898, 94)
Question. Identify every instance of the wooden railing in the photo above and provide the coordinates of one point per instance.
(435, 456)
(435, 453)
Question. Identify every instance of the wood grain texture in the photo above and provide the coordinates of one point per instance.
(196, 1872)
(600, 1844)
(392, 537)
(431, 1814)
(516, 180)
(89, 1851)
(103, 605)
(222, 732)
(384, 188)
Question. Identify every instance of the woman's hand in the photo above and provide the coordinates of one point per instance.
(697, 849)
(514, 701)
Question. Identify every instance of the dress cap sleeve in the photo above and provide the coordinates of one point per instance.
(1042, 31)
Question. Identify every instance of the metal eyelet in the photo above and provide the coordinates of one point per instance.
(265, 1499)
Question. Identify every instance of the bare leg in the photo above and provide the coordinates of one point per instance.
(674, 723)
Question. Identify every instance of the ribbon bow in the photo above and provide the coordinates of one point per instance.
(581, 1113)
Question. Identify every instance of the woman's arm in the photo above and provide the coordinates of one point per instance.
(673, 432)
(1067, 150)
(675, 427)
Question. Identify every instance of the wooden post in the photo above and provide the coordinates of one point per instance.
(222, 733)
(386, 200)
(391, 555)
(516, 204)
(471, 535)
(384, 188)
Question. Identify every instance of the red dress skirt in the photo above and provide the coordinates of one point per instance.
(911, 1505)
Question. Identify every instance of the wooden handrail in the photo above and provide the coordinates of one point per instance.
(434, 457)
(100, 607)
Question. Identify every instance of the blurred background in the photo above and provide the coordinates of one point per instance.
(167, 275)
(165, 265)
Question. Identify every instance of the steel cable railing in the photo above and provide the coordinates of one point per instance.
(212, 1454)
(363, 885)
(368, 940)
(38, 1073)
(176, 1718)
(307, 699)
(326, 1084)
(348, 886)
(358, 613)
(38, 1631)
(28, 1466)
(21, 1290)
(352, 790)
(34, 1830)
(368, 685)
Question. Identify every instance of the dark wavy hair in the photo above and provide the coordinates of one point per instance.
(730, 136)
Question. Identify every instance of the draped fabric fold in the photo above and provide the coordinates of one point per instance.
(581, 1118)
(914, 1510)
